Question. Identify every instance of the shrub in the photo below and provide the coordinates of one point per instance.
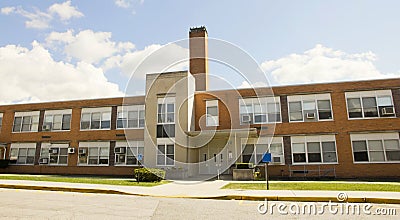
(149, 174)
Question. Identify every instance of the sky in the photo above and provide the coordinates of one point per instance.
(76, 49)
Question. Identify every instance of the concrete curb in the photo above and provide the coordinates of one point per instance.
(224, 197)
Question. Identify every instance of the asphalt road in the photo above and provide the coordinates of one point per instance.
(27, 204)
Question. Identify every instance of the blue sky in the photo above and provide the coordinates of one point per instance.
(58, 50)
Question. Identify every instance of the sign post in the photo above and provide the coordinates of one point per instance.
(266, 159)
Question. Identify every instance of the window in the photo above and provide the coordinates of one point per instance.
(165, 154)
(126, 153)
(260, 110)
(93, 153)
(370, 104)
(96, 118)
(53, 154)
(310, 107)
(22, 153)
(378, 147)
(1, 120)
(314, 149)
(254, 149)
(130, 116)
(212, 113)
(26, 121)
(57, 120)
(166, 117)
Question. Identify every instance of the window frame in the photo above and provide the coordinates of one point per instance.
(370, 94)
(59, 146)
(91, 145)
(32, 115)
(52, 114)
(305, 140)
(132, 145)
(94, 112)
(165, 144)
(259, 142)
(125, 111)
(310, 98)
(250, 104)
(1, 121)
(18, 147)
(215, 118)
(382, 137)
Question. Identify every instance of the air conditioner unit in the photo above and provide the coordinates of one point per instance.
(71, 150)
(46, 127)
(310, 115)
(276, 160)
(119, 150)
(388, 111)
(43, 160)
(246, 119)
(82, 151)
(53, 150)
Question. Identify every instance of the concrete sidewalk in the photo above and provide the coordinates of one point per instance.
(207, 190)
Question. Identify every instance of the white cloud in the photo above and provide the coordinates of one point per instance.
(152, 59)
(87, 45)
(322, 64)
(123, 3)
(65, 11)
(7, 10)
(41, 20)
(33, 75)
(246, 84)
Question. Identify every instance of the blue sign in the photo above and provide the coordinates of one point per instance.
(140, 156)
(266, 158)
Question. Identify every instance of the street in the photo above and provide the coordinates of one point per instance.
(29, 204)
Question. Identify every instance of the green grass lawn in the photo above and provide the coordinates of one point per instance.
(88, 180)
(336, 186)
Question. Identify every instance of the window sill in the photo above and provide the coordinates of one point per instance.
(301, 164)
(370, 118)
(377, 162)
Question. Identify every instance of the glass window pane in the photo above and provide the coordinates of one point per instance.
(296, 116)
(299, 158)
(106, 116)
(93, 151)
(276, 149)
(248, 149)
(133, 115)
(309, 105)
(377, 156)
(295, 106)
(385, 101)
(66, 122)
(354, 103)
(160, 160)
(314, 157)
(48, 118)
(361, 156)
(85, 117)
(359, 146)
(393, 155)
(328, 146)
(329, 157)
(273, 107)
(375, 145)
(392, 144)
(313, 147)
(170, 108)
(161, 149)
(212, 111)
(170, 149)
(96, 116)
(369, 102)
(298, 148)
(324, 104)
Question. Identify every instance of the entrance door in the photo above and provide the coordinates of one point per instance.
(216, 160)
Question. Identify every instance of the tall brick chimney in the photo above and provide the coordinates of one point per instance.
(199, 56)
